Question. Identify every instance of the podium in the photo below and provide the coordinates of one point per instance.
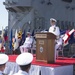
(45, 47)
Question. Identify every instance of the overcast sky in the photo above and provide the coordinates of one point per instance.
(3, 15)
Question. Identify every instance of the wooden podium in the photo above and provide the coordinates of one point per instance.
(45, 47)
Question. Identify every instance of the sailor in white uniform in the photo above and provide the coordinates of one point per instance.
(56, 31)
(3, 60)
(24, 61)
(27, 44)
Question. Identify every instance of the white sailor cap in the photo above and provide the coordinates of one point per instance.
(28, 33)
(3, 59)
(52, 19)
(24, 59)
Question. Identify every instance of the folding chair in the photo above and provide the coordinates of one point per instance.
(33, 47)
(60, 49)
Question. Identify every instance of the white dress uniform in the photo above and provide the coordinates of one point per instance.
(58, 43)
(20, 72)
(22, 60)
(1, 73)
(55, 30)
(26, 45)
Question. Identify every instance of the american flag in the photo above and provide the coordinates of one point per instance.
(67, 36)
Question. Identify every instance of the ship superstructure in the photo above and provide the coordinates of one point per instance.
(35, 14)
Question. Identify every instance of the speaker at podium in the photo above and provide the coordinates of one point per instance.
(45, 47)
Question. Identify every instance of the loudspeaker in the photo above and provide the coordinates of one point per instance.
(67, 0)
